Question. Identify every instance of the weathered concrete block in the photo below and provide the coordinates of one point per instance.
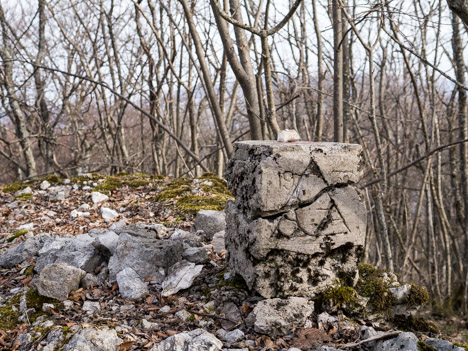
(298, 222)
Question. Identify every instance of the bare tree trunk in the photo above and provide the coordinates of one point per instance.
(218, 115)
(460, 72)
(19, 118)
(337, 72)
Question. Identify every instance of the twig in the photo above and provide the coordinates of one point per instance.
(412, 163)
(374, 338)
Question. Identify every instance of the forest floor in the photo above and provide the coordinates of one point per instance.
(148, 200)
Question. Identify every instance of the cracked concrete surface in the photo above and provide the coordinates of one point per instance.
(298, 222)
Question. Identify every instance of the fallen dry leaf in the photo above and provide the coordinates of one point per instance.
(125, 346)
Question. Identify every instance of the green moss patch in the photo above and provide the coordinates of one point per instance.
(14, 187)
(51, 178)
(189, 196)
(465, 346)
(418, 295)
(423, 347)
(16, 234)
(23, 197)
(341, 296)
(372, 285)
(9, 314)
(109, 183)
(415, 324)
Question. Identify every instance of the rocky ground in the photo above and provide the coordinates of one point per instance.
(123, 263)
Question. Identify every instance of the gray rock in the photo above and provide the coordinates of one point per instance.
(25, 341)
(98, 197)
(210, 222)
(78, 252)
(93, 339)
(57, 280)
(75, 214)
(84, 207)
(90, 280)
(442, 345)
(234, 336)
(21, 252)
(47, 307)
(147, 257)
(277, 317)
(54, 338)
(196, 255)
(181, 276)
(148, 325)
(108, 214)
(91, 307)
(165, 309)
(147, 231)
(106, 242)
(404, 341)
(218, 242)
(59, 192)
(131, 287)
(183, 315)
(195, 340)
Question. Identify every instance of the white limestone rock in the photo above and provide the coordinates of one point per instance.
(108, 214)
(94, 339)
(181, 276)
(287, 136)
(195, 340)
(279, 317)
(98, 197)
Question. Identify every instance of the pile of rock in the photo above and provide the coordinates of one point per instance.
(132, 255)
